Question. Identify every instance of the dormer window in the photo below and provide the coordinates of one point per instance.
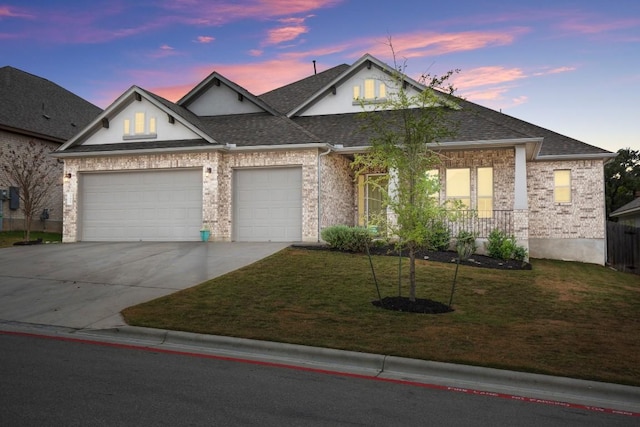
(140, 126)
(371, 90)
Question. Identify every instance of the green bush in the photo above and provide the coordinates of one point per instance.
(345, 238)
(465, 244)
(501, 246)
(439, 236)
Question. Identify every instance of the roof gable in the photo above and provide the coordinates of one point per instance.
(39, 107)
(336, 96)
(217, 95)
(161, 121)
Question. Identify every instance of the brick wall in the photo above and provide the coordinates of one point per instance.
(217, 186)
(14, 220)
(583, 217)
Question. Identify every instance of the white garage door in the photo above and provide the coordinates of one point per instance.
(268, 205)
(141, 206)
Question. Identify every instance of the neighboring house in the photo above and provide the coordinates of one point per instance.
(276, 167)
(33, 108)
(629, 214)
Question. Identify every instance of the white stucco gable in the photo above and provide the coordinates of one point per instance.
(137, 116)
(367, 82)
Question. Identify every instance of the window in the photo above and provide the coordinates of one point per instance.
(433, 176)
(485, 192)
(139, 126)
(370, 90)
(375, 191)
(458, 186)
(562, 186)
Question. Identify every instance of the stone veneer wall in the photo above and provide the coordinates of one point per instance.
(337, 191)
(14, 220)
(307, 159)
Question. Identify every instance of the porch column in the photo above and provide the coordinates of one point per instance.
(520, 200)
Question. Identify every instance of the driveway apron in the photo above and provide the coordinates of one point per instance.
(86, 285)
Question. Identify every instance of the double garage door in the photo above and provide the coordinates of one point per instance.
(167, 205)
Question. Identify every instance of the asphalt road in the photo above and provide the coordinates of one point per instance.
(49, 382)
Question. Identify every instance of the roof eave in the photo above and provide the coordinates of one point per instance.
(577, 156)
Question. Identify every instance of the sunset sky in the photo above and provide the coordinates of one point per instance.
(569, 66)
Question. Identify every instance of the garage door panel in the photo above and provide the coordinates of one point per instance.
(268, 204)
(134, 206)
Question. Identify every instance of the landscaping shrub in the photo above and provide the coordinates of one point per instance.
(465, 244)
(501, 246)
(345, 238)
(439, 236)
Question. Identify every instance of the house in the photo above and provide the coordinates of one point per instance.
(629, 214)
(35, 109)
(276, 167)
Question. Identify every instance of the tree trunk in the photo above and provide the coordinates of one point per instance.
(412, 273)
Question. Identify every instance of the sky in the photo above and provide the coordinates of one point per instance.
(572, 66)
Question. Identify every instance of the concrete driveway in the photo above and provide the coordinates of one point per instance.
(86, 285)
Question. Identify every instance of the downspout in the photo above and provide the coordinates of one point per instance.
(320, 188)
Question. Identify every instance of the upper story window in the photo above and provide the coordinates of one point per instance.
(141, 126)
(433, 176)
(562, 186)
(370, 90)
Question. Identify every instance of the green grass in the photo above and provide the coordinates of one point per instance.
(560, 318)
(8, 238)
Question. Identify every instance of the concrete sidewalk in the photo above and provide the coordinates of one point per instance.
(87, 285)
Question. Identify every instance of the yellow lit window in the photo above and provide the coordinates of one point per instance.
(369, 89)
(562, 186)
(485, 192)
(152, 125)
(458, 185)
(139, 124)
(356, 92)
(127, 127)
(382, 91)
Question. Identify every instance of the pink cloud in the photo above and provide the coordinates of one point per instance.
(581, 25)
(427, 43)
(285, 34)
(205, 39)
(206, 12)
(11, 12)
(486, 76)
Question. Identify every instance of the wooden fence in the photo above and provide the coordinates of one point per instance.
(623, 247)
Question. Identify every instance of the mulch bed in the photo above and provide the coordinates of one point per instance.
(422, 305)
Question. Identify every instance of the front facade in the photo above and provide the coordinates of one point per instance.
(277, 167)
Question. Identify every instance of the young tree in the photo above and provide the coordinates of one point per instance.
(622, 178)
(30, 168)
(403, 128)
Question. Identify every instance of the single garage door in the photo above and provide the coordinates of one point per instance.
(141, 206)
(268, 205)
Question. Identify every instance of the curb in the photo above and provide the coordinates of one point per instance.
(590, 394)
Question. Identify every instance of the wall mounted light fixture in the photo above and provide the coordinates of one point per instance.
(208, 170)
(68, 175)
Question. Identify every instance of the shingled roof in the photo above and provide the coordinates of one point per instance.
(35, 106)
(286, 98)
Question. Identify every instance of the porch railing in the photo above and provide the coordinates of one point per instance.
(481, 222)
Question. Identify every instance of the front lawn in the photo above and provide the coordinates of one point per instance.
(8, 238)
(560, 318)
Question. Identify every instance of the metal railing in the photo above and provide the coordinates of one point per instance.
(481, 223)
